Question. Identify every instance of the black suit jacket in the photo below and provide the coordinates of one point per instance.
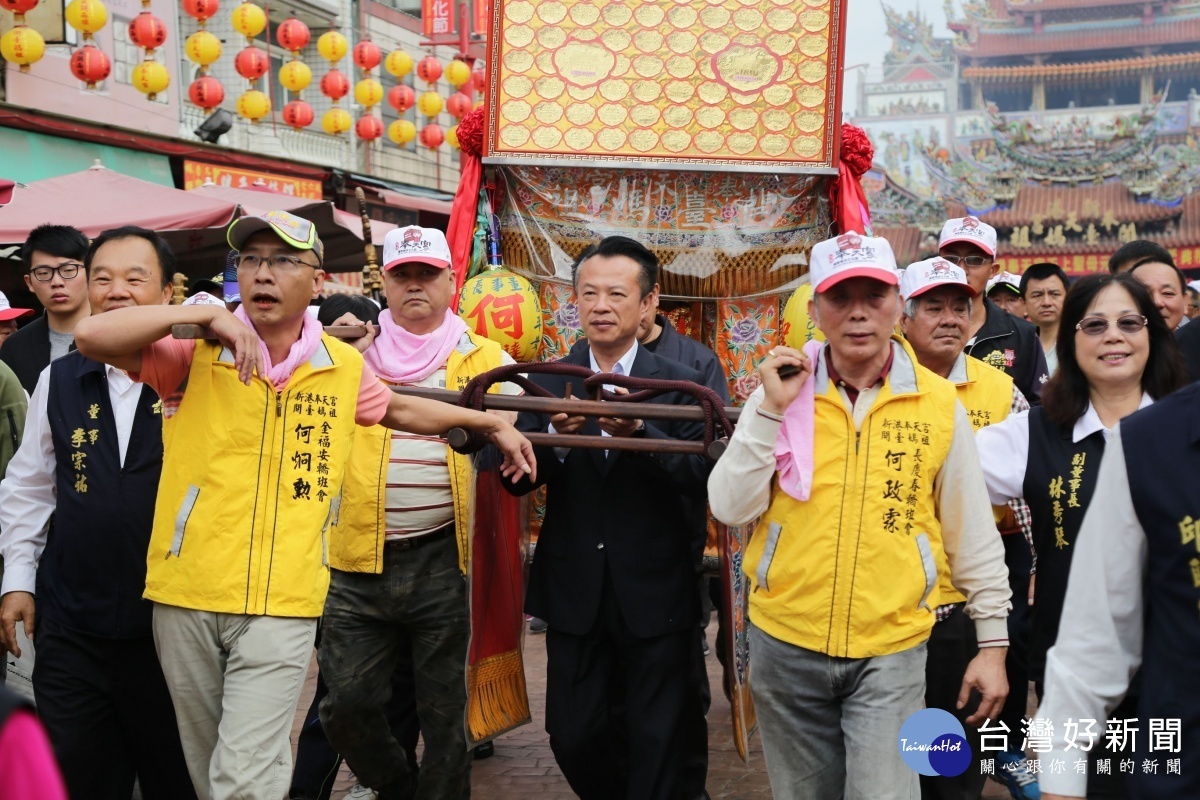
(623, 514)
(27, 352)
(1188, 338)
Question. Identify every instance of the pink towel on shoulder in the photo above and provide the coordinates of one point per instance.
(794, 444)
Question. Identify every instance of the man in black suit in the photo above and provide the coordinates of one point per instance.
(614, 575)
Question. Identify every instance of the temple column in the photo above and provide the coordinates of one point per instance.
(1039, 87)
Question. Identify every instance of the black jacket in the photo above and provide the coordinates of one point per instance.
(27, 352)
(1188, 339)
(674, 346)
(623, 515)
(1011, 344)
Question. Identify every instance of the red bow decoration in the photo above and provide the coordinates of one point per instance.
(460, 232)
(846, 196)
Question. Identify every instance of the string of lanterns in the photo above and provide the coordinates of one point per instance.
(20, 44)
(368, 92)
(205, 91)
(251, 63)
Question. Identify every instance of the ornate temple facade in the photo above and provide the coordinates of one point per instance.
(1069, 125)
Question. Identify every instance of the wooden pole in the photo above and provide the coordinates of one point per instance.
(372, 281)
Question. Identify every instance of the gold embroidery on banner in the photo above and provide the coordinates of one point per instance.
(581, 93)
(517, 86)
(709, 117)
(518, 35)
(775, 119)
(807, 146)
(676, 141)
(746, 69)
(682, 42)
(516, 110)
(578, 139)
(780, 43)
(518, 60)
(682, 17)
(649, 16)
(715, 18)
(548, 112)
(809, 121)
(813, 72)
(583, 64)
(709, 141)
(644, 115)
(712, 93)
(549, 87)
(612, 114)
(585, 14)
(616, 39)
(547, 138)
(648, 66)
(648, 41)
(741, 143)
(614, 90)
(514, 135)
(810, 96)
(677, 117)
(743, 119)
(552, 12)
(519, 12)
(580, 114)
(680, 91)
(773, 144)
(813, 46)
(643, 139)
(611, 139)
(813, 21)
(646, 91)
(551, 38)
(781, 19)
(748, 19)
(617, 14)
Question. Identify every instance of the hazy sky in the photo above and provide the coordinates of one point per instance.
(867, 40)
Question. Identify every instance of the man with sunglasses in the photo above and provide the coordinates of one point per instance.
(52, 257)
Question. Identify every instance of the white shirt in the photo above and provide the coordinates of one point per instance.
(1004, 450)
(624, 366)
(1099, 643)
(27, 493)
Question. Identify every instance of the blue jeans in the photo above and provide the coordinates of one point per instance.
(830, 725)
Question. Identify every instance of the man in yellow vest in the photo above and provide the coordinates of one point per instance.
(864, 472)
(401, 543)
(937, 315)
(252, 476)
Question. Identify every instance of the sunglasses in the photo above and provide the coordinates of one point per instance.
(1095, 326)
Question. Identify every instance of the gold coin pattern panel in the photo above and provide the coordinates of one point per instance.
(711, 82)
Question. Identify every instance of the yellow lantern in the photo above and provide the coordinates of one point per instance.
(295, 76)
(22, 46)
(503, 307)
(249, 20)
(332, 46)
(150, 78)
(797, 328)
(452, 136)
(202, 48)
(336, 121)
(86, 16)
(457, 73)
(368, 92)
(398, 63)
(402, 132)
(431, 104)
(253, 105)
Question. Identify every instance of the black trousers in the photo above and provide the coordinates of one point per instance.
(951, 647)
(623, 713)
(1019, 561)
(108, 714)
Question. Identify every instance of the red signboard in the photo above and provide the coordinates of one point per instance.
(1086, 264)
(195, 173)
(437, 16)
(483, 16)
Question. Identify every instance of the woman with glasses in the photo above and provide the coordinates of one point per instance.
(1116, 355)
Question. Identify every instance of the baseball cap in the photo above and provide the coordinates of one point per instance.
(1194, 285)
(414, 243)
(969, 229)
(295, 231)
(1006, 280)
(6, 191)
(931, 273)
(7, 312)
(203, 299)
(852, 255)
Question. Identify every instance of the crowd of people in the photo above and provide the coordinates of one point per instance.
(970, 482)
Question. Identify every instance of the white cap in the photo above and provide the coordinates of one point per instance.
(930, 274)
(852, 255)
(969, 229)
(1195, 285)
(414, 243)
(204, 299)
(1006, 278)
(8, 312)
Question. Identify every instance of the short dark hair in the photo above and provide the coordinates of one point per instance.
(1065, 396)
(62, 241)
(611, 246)
(1183, 281)
(336, 305)
(1138, 250)
(1042, 271)
(166, 256)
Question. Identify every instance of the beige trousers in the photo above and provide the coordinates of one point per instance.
(235, 681)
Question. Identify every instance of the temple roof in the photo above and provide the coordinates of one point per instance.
(1081, 204)
(1085, 70)
(1025, 41)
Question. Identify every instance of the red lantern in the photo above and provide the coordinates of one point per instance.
(201, 10)
(401, 98)
(90, 64)
(206, 92)
(19, 7)
(147, 32)
(367, 55)
(429, 70)
(458, 104)
(432, 136)
(368, 128)
(335, 85)
(292, 35)
(298, 114)
(479, 80)
(252, 63)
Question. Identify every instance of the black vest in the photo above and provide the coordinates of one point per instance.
(1060, 476)
(93, 571)
(1162, 456)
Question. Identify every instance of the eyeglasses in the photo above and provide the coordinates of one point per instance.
(968, 261)
(65, 271)
(1095, 326)
(276, 263)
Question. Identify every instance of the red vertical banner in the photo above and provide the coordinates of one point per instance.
(483, 16)
(437, 16)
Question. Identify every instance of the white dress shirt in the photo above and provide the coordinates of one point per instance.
(624, 366)
(27, 493)
(1004, 450)
(1099, 644)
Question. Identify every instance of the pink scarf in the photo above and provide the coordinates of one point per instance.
(398, 356)
(794, 444)
(301, 351)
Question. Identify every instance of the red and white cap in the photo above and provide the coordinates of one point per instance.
(852, 255)
(969, 229)
(930, 274)
(414, 243)
(1007, 280)
(7, 312)
(6, 191)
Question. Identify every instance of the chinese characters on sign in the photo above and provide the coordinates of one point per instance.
(438, 17)
(1165, 736)
(310, 444)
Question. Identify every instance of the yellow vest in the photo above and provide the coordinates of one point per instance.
(357, 534)
(248, 481)
(853, 571)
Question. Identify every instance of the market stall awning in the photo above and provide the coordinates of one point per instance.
(27, 156)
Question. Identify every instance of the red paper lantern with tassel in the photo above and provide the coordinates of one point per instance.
(479, 80)
(90, 64)
(368, 128)
(206, 92)
(432, 136)
(459, 104)
(298, 114)
(367, 55)
(401, 98)
(147, 32)
(19, 7)
(201, 10)
(429, 69)
(293, 35)
(335, 85)
(252, 63)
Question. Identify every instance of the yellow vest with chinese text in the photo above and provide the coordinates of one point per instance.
(248, 481)
(853, 571)
(358, 531)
